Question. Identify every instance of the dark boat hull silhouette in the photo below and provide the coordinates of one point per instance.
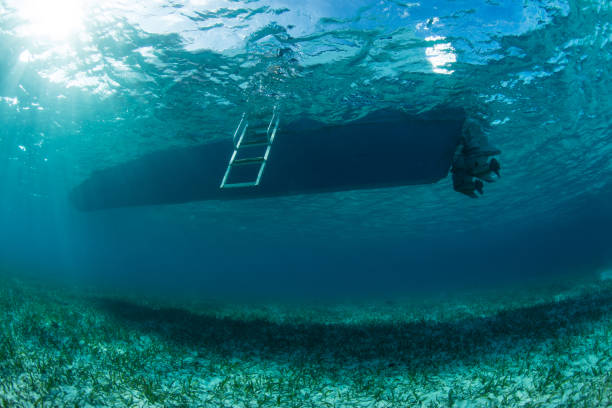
(383, 149)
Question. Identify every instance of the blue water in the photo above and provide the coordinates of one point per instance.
(86, 85)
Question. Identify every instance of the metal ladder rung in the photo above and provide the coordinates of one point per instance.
(263, 142)
(248, 160)
(236, 185)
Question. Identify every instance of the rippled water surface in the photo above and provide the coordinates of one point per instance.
(86, 84)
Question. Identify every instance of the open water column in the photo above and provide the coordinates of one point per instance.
(215, 203)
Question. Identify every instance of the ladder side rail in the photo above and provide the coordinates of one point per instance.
(238, 128)
(271, 139)
(270, 124)
(261, 170)
(274, 131)
(229, 168)
(237, 146)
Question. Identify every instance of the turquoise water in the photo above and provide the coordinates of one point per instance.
(86, 85)
(413, 296)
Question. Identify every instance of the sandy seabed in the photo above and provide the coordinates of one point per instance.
(537, 345)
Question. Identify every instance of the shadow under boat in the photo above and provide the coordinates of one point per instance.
(384, 149)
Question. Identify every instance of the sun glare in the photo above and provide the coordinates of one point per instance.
(440, 56)
(55, 20)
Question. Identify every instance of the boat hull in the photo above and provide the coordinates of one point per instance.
(384, 149)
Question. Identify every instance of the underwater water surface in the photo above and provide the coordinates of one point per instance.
(88, 85)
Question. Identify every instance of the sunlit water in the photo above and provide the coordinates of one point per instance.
(84, 85)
